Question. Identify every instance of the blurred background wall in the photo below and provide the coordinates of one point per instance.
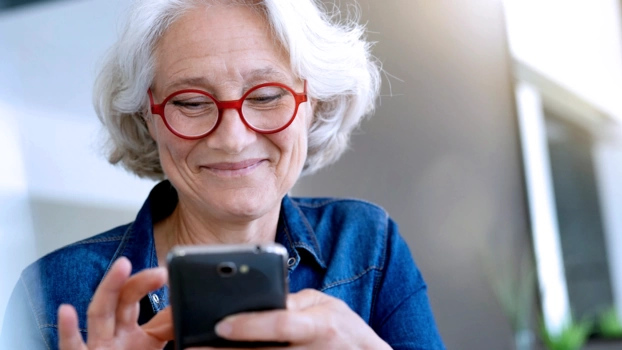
(441, 154)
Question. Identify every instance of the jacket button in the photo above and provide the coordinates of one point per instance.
(291, 262)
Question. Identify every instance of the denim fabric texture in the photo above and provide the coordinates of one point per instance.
(349, 249)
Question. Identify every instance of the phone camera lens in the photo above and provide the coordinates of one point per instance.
(226, 269)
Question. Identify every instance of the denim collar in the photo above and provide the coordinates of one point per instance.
(293, 231)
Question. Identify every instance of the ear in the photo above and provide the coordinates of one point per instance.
(149, 118)
(151, 127)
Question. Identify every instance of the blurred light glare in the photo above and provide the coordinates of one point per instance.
(576, 43)
(11, 159)
(18, 247)
(551, 277)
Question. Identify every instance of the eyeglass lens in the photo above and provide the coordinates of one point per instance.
(266, 108)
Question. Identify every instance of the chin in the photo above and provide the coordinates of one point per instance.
(247, 203)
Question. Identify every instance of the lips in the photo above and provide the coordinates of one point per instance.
(234, 167)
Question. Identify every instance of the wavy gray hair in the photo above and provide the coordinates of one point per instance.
(328, 51)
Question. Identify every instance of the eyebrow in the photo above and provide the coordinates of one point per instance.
(251, 79)
(265, 73)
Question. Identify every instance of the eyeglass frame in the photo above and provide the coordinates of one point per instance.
(231, 104)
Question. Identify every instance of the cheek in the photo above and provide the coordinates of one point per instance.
(292, 148)
(297, 152)
(170, 147)
(294, 140)
(302, 135)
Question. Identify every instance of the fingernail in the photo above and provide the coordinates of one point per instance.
(224, 328)
(61, 307)
(123, 261)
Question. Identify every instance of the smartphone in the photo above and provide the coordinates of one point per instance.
(208, 283)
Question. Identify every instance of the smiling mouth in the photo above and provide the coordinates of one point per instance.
(235, 168)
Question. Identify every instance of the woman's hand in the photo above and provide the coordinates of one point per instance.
(112, 316)
(313, 320)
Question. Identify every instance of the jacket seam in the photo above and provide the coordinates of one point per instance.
(122, 245)
(120, 248)
(300, 244)
(32, 308)
(335, 200)
(316, 250)
(423, 287)
(375, 291)
(347, 280)
(99, 240)
(288, 235)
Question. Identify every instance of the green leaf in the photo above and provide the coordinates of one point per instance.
(609, 325)
(571, 337)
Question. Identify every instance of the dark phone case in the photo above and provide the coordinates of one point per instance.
(200, 296)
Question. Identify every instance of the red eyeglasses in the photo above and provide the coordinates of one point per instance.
(266, 108)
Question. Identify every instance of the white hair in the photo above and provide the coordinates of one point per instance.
(328, 51)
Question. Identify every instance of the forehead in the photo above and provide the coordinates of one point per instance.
(220, 44)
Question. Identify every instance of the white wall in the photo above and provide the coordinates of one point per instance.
(50, 138)
(49, 56)
(17, 246)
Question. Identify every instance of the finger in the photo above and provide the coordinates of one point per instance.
(305, 299)
(101, 315)
(160, 326)
(68, 332)
(278, 325)
(135, 289)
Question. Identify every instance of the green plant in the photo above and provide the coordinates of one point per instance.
(609, 324)
(513, 283)
(571, 337)
(514, 288)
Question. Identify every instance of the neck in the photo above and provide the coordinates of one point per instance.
(187, 227)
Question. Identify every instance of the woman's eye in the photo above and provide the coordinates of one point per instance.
(263, 98)
(187, 104)
(193, 104)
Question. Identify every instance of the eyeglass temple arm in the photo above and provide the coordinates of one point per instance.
(155, 109)
(300, 98)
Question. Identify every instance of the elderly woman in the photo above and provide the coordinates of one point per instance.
(229, 102)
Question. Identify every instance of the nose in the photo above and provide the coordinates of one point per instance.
(231, 136)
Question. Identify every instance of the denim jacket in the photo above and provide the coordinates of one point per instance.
(349, 249)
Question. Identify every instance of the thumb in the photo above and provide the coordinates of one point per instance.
(161, 325)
